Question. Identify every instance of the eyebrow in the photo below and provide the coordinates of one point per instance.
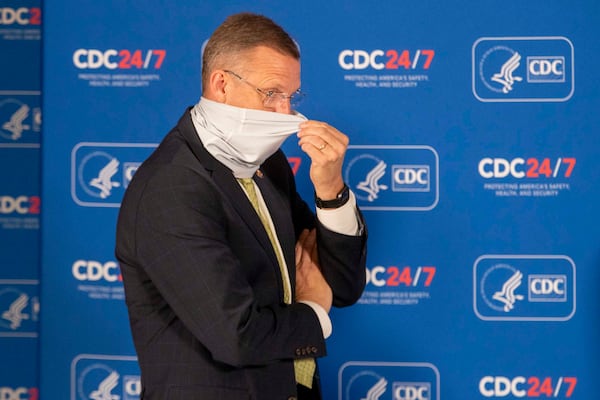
(278, 88)
(275, 88)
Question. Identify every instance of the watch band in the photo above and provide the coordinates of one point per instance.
(340, 199)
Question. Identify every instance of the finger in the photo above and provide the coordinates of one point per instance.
(322, 146)
(311, 247)
(315, 256)
(322, 157)
(311, 239)
(298, 254)
(323, 130)
(304, 237)
(320, 149)
(319, 142)
(322, 141)
(300, 246)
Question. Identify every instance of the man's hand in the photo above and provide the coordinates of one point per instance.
(310, 283)
(326, 147)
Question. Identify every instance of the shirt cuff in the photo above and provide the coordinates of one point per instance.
(324, 319)
(343, 220)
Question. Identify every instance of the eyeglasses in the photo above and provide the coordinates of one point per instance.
(273, 97)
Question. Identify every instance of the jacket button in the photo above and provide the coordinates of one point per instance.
(314, 350)
(298, 352)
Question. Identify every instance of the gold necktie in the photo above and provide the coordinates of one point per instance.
(304, 368)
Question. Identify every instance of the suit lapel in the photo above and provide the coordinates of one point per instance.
(280, 212)
(238, 199)
(232, 191)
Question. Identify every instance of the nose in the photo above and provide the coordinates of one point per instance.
(283, 106)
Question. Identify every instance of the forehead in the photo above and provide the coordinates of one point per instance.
(265, 66)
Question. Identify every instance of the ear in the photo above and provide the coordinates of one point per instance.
(218, 82)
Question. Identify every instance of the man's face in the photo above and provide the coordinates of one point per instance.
(267, 70)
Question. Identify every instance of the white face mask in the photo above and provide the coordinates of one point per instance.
(242, 138)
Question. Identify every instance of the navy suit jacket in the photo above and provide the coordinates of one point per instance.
(202, 283)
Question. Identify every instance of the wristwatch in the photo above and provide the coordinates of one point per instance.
(340, 199)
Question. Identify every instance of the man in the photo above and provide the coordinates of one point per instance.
(228, 274)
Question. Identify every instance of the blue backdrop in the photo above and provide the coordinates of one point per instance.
(20, 201)
(473, 131)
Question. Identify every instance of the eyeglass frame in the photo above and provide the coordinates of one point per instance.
(273, 95)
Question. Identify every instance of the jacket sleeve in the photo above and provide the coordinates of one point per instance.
(342, 258)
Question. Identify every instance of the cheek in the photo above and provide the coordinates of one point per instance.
(252, 101)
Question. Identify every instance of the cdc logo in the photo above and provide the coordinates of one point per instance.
(523, 69)
(393, 381)
(19, 393)
(93, 271)
(410, 178)
(19, 308)
(105, 377)
(393, 178)
(118, 59)
(20, 205)
(546, 69)
(100, 172)
(20, 16)
(19, 121)
(390, 59)
(526, 288)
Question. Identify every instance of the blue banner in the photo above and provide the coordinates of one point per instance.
(473, 157)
